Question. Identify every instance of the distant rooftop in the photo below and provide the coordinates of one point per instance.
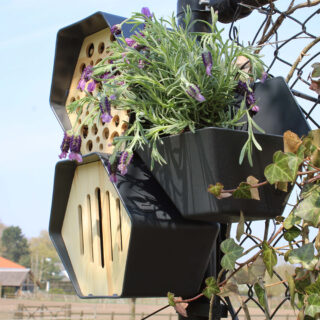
(7, 264)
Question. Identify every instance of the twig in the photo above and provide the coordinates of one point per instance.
(303, 52)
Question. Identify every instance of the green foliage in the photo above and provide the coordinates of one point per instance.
(303, 255)
(243, 191)
(261, 294)
(269, 257)
(292, 233)
(215, 189)
(211, 287)
(313, 306)
(232, 252)
(162, 80)
(15, 245)
(171, 299)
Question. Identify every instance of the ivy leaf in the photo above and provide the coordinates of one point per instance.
(215, 189)
(303, 255)
(313, 306)
(291, 142)
(314, 287)
(240, 227)
(292, 233)
(252, 274)
(309, 208)
(211, 288)
(304, 279)
(292, 288)
(283, 186)
(243, 191)
(279, 170)
(254, 191)
(316, 70)
(232, 252)
(260, 292)
(294, 161)
(229, 289)
(269, 257)
(181, 307)
(291, 220)
(171, 299)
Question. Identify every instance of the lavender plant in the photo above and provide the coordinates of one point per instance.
(171, 81)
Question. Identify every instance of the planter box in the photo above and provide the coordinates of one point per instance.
(211, 155)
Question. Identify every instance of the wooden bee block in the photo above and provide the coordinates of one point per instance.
(96, 232)
(99, 136)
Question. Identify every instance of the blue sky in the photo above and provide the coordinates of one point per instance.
(30, 137)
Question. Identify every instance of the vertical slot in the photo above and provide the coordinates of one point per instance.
(110, 224)
(120, 222)
(99, 225)
(90, 227)
(80, 230)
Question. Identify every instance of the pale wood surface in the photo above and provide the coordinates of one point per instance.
(116, 227)
(99, 137)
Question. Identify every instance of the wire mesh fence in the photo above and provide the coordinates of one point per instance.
(286, 33)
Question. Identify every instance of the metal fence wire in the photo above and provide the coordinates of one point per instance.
(287, 34)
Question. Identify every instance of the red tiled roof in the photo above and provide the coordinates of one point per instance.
(7, 264)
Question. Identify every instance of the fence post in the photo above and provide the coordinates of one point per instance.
(112, 315)
(42, 311)
(68, 311)
(19, 312)
(133, 308)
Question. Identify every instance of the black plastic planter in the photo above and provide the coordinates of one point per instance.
(125, 239)
(211, 155)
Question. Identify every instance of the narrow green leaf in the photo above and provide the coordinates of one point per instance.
(240, 227)
(269, 257)
(260, 292)
(292, 288)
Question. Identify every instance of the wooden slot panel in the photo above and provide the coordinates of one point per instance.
(100, 264)
(80, 219)
(99, 137)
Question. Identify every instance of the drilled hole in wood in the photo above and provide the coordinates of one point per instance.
(77, 98)
(116, 120)
(99, 60)
(89, 145)
(99, 225)
(101, 47)
(124, 127)
(114, 135)
(80, 220)
(105, 133)
(97, 139)
(100, 146)
(90, 227)
(82, 66)
(84, 131)
(91, 63)
(73, 99)
(108, 214)
(90, 50)
(79, 121)
(112, 37)
(87, 113)
(94, 129)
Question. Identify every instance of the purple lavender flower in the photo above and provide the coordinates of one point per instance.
(250, 99)
(75, 146)
(264, 77)
(91, 86)
(194, 92)
(65, 145)
(242, 88)
(113, 97)
(146, 11)
(124, 161)
(112, 168)
(105, 111)
(130, 42)
(207, 61)
(255, 109)
(87, 73)
(81, 84)
(116, 29)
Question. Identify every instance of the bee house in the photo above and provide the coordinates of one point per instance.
(125, 239)
(85, 43)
